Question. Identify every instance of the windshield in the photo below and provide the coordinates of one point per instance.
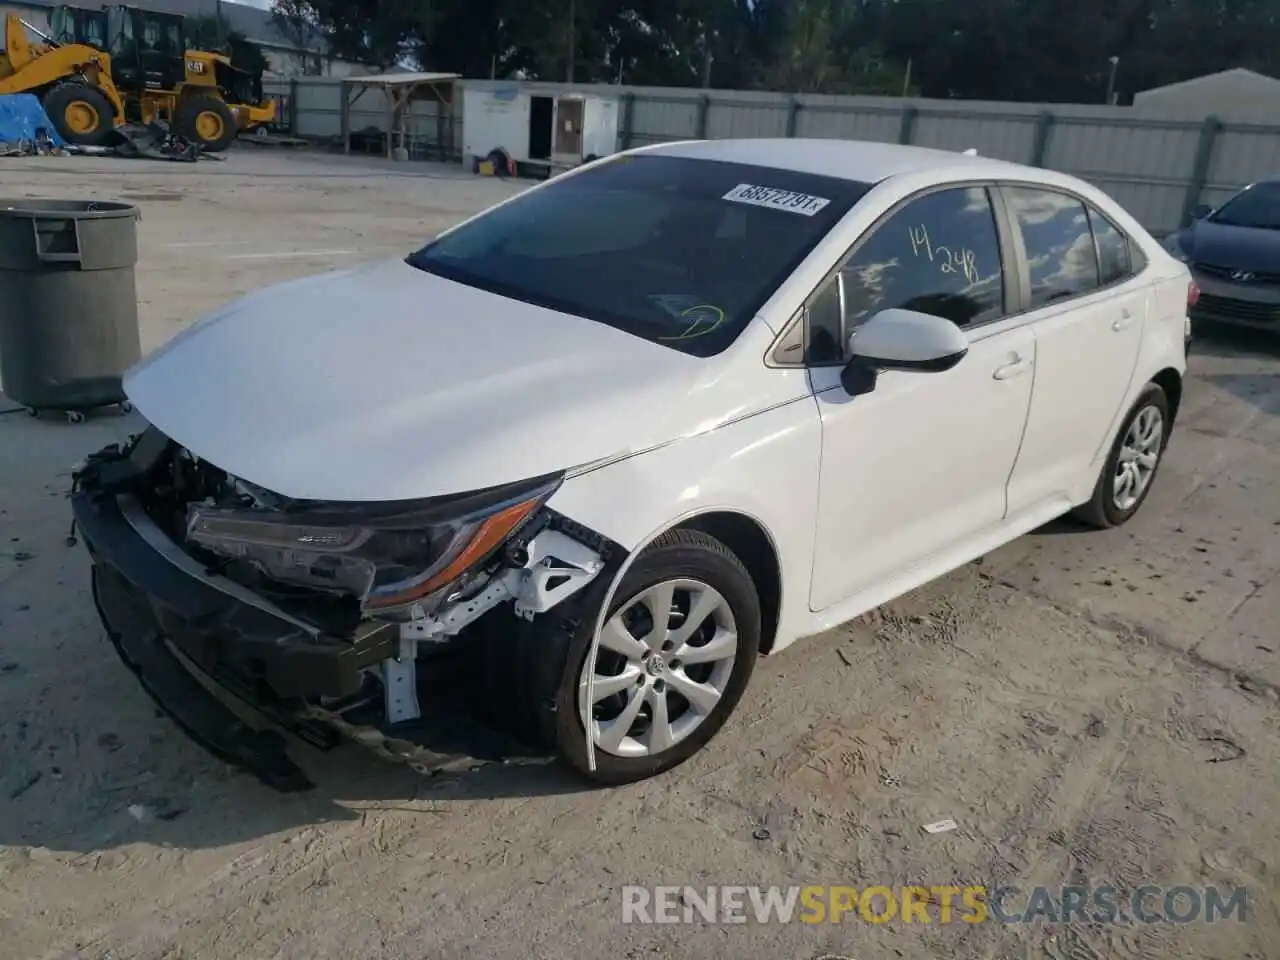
(1256, 206)
(678, 251)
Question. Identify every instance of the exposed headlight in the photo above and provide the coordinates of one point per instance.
(388, 556)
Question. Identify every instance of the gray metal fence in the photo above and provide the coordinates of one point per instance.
(1158, 166)
(311, 107)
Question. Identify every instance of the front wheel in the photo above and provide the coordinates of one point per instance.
(82, 114)
(676, 652)
(1130, 467)
(206, 120)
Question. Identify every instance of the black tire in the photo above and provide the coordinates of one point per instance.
(525, 673)
(676, 554)
(70, 98)
(195, 112)
(1102, 510)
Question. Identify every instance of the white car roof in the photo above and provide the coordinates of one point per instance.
(860, 160)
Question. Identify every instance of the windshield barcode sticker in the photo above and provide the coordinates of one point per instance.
(776, 199)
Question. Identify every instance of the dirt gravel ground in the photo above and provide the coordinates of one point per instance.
(1088, 707)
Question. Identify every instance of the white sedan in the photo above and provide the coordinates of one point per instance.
(610, 440)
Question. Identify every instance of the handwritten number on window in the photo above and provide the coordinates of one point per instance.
(962, 260)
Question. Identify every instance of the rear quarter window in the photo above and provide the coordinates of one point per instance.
(1119, 256)
(1062, 260)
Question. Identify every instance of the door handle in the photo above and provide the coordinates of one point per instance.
(1125, 321)
(1014, 368)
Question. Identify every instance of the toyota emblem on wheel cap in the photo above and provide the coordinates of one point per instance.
(1243, 276)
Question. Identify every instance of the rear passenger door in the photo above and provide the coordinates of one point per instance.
(1087, 310)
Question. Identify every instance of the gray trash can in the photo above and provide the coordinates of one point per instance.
(68, 303)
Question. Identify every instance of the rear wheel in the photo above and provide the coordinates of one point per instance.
(81, 114)
(207, 121)
(1130, 467)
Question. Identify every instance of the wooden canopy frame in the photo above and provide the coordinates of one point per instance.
(399, 89)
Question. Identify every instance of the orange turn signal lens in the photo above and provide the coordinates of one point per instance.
(488, 535)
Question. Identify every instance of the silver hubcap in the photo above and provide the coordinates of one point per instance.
(1138, 458)
(664, 662)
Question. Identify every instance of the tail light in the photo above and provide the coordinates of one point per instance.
(1193, 294)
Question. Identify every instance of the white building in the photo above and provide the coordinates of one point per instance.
(1240, 95)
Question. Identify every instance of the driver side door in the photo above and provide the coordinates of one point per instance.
(919, 465)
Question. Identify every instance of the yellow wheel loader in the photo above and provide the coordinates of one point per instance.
(104, 68)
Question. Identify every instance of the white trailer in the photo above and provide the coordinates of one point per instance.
(541, 131)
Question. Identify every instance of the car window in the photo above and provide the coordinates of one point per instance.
(938, 254)
(679, 251)
(1137, 259)
(824, 317)
(1257, 206)
(1055, 229)
(635, 219)
(1114, 262)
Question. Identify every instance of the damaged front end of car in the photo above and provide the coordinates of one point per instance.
(329, 619)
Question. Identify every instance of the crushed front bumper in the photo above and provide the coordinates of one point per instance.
(191, 635)
(165, 615)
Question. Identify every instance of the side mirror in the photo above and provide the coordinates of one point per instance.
(901, 340)
(1201, 211)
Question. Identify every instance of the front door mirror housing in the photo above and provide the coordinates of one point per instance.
(899, 339)
(1201, 211)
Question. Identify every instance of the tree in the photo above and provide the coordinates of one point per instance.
(1030, 50)
(378, 33)
(1033, 50)
(296, 22)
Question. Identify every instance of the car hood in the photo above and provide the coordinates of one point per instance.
(1237, 248)
(384, 382)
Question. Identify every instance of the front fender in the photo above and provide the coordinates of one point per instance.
(764, 466)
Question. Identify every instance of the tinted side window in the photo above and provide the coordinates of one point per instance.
(1059, 243)
(1114, 263)
(939, 254)
(826, 340)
